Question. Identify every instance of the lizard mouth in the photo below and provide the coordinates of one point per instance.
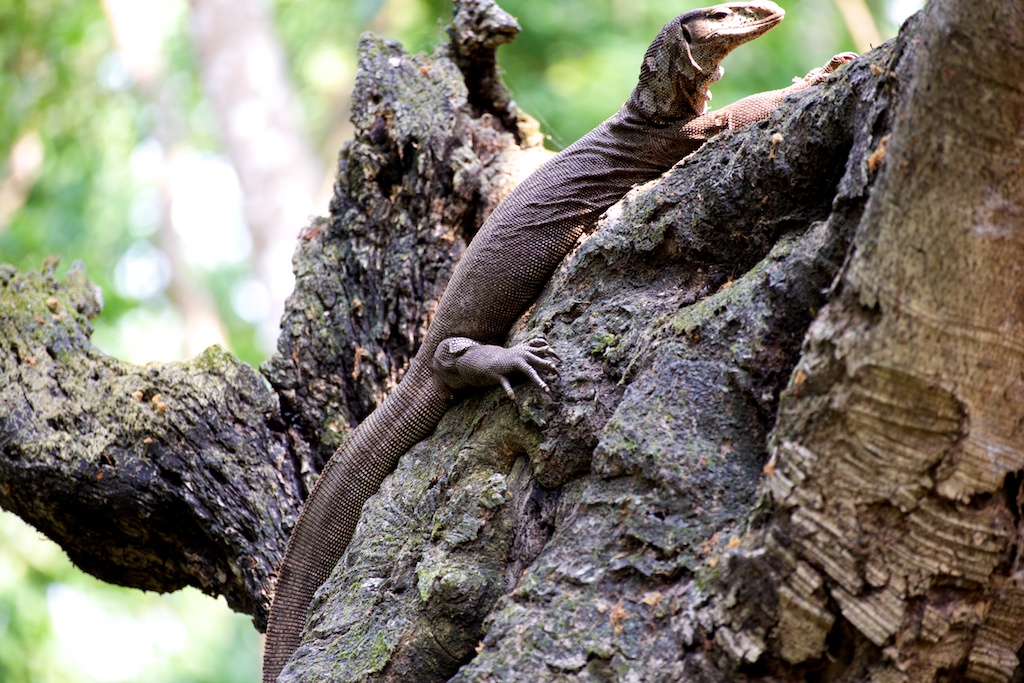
(772, 15)
(755, 28)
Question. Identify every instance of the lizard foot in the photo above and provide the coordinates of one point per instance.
(817, 76)
(462, 362)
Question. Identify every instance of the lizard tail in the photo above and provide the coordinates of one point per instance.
(328, 519)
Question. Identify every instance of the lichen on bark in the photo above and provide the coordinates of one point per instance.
(154, 477)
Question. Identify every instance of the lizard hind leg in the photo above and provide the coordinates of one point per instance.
(461, 362)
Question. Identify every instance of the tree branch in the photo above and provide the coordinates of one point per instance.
(153, 477)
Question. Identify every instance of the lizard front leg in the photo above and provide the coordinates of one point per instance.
(461, 362)
(759, 106)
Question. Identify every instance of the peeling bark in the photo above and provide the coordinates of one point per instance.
(898, 449)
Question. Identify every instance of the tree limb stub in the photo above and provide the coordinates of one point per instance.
(428, 162)
(153, 477)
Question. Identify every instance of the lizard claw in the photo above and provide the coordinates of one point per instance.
(507, 386)
(530, 359)
(539, 346)
(838, 60)
(461, 362)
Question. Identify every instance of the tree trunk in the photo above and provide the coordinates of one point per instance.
(897, 456)
(785, 444)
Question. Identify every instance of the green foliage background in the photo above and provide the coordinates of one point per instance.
(572, 66)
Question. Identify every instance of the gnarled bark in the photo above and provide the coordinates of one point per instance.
(153, 477)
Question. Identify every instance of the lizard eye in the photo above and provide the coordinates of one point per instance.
(720, 14)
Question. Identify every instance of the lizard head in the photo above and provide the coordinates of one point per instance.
(685, 59)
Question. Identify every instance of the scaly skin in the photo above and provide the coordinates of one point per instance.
(504, 269)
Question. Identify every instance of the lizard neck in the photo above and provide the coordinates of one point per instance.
(686, 57)
(673, 84)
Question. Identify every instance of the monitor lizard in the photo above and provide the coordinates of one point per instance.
(504, 269)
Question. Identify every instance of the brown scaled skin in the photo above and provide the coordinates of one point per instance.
(505, 268)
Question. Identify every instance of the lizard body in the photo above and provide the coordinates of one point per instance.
(505, 268)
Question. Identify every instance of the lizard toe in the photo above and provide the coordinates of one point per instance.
(840, 59)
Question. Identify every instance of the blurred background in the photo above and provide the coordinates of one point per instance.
(176, 148)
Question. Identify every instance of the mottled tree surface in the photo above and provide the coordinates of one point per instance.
(785, 443)
(153, 477)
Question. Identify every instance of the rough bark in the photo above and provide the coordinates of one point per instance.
(153, 477)
(898, 452)
(868, 235)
